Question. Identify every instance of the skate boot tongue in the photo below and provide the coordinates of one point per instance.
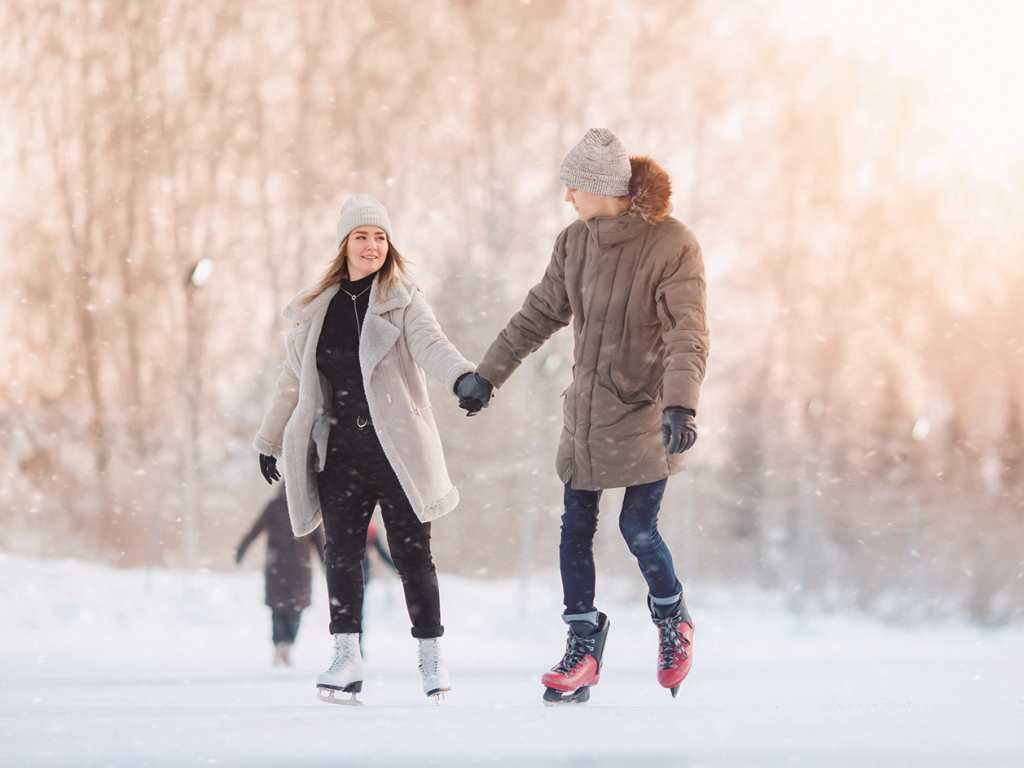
(583, 628)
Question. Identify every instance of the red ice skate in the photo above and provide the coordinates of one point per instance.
(570, 680)
(675, 643)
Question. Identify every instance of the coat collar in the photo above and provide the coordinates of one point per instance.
(398, 297)
(298, 313)
(616, 229)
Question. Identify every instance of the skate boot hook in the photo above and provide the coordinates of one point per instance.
(345, 674)
(675, 642)
(570, 680)
(433, 669)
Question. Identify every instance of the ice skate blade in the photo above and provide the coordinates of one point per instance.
(556, 698)
(675, 691)
(327, 695)
(439, 698)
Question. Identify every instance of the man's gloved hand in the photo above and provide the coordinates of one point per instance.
(268, 466)
(678, 429)
(474, 392)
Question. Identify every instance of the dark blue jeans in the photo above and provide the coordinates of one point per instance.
(638, 523)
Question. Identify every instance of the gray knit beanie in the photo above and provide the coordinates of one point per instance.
(359, 211)
(598, 165)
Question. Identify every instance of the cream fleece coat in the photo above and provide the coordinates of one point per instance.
(400, 339)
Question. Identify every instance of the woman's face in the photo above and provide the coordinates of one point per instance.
(367, 249)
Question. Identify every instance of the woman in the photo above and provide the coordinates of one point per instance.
(352, 420)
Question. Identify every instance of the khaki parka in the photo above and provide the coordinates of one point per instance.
(634, 288)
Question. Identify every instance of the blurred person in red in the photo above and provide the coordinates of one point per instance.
(287, 571)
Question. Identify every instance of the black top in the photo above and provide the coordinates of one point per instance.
(337, 350)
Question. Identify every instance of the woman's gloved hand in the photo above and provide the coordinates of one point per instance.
(268, 466)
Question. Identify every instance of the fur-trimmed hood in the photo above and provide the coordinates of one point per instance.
(650, 189)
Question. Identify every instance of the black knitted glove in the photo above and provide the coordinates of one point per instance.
(474, 392)
(678, 429)
(268, 466)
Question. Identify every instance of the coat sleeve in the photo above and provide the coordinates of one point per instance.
(545, 311)
(429, 346)
(681, 295)
(257, 528)
(270, 439)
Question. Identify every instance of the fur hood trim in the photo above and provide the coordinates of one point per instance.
(650, 189)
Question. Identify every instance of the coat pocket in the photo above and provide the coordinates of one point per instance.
(627, 388)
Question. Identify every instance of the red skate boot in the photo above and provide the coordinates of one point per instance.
(570, 680)
(675, 642)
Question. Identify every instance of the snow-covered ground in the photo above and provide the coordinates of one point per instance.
(101, 667)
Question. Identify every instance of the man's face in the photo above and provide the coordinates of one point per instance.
(588, 205)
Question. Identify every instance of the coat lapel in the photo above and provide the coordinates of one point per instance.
(379, 335)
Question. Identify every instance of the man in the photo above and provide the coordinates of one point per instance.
(631, 278)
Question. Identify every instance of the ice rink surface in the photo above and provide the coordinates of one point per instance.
(126, 668)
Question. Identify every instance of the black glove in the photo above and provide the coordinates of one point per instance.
(678, 429)
(474, 392)
(268, 466)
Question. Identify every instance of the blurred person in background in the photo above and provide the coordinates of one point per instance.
(352, 420)
(631, 279)
(286, 570)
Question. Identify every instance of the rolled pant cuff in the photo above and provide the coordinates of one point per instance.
(425, 633)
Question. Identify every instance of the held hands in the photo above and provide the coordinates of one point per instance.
(678, 429)
(474, 392)
(268, 466)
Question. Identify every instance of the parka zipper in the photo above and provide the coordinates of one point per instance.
(664, 305)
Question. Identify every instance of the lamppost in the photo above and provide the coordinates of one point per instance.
(195, 321)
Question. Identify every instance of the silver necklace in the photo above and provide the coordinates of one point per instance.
(355, 309)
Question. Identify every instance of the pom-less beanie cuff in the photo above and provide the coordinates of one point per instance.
(361, 211)
(598, 165)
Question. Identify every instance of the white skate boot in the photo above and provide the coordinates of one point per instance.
(345, 674)
(433, 669)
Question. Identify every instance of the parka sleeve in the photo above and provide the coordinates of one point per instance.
(428, 345)
(681, 296)
(545, 311)
(270, 439)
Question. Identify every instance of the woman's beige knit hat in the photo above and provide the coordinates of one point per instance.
(598, 165)
(361, 211)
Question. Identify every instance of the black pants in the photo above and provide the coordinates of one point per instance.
(285, 623)
(357, 476)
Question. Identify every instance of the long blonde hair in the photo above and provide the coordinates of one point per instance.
(393, 272)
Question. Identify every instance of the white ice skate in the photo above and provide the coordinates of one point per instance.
(345, 674)
(433, 669)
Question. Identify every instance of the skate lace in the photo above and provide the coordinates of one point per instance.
(342, 656)
(429, 660)
(576, 648)
(672, 643)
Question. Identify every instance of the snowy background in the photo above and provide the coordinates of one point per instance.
(851, 529)
(104, 667)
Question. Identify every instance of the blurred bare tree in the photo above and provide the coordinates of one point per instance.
(862, 439)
